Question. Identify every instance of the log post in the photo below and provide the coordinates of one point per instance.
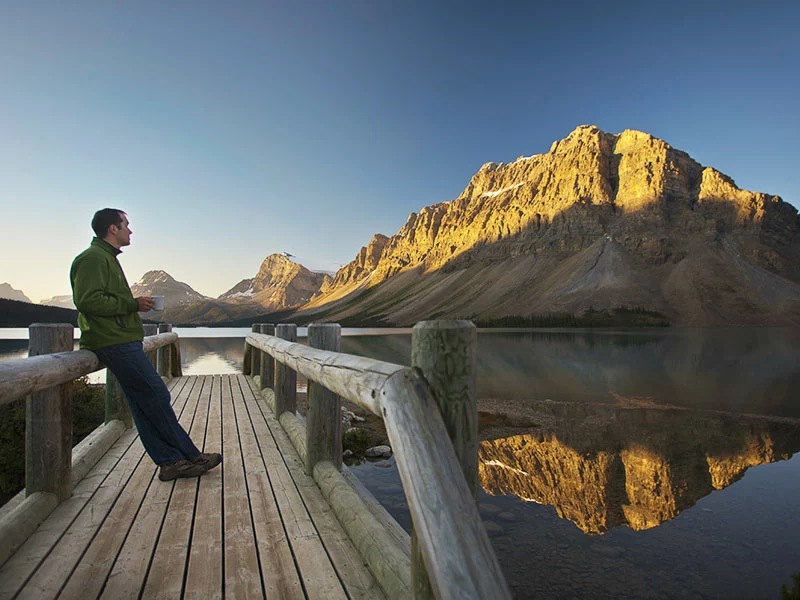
(151, 329)
(267, 362)
(246, 362)
(48, 420)
(176, 367)
(445, 352)
(116, 405)
(255, 354)
(163, 352)
(285, 378)
(324, 416)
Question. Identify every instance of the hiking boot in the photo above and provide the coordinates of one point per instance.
(208, 460)
(181, 468)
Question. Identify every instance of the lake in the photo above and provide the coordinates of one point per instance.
(630, 464)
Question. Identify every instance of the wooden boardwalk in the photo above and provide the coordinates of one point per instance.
(256, 527)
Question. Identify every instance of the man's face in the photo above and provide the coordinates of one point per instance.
(120, 235)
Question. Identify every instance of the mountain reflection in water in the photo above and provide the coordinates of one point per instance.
(602, 466)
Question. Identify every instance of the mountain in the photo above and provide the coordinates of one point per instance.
(280, 283)
(600, 221)
(160, 283)
(8, 292)
(606, 466)
(59, 301)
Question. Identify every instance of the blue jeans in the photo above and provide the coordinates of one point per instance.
(150, 403)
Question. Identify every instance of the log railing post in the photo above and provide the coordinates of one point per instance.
(151, 329)
(445, 352)
(246, 362)
(116, 405)
(267, 369)
(285, 377)
(48, 422)
(255, 354)
(163, 352)
(176, 368)
(324, 416)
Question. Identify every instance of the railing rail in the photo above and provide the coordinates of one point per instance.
(456, 550)
(23, 376)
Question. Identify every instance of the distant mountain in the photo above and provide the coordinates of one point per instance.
(60, 301)
(600, 221)
(280, 283)
(8, 292)
(161, 283)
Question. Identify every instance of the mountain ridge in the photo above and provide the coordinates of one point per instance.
(602, 220)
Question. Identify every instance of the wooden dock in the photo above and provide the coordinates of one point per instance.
(255, 527)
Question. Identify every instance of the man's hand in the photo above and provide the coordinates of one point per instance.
(146, 303)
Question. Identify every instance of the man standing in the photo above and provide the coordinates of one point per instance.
(112, 329)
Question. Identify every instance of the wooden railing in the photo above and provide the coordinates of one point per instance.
(430, 414)
(52, 466)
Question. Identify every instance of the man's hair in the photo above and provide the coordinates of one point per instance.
(105, 218)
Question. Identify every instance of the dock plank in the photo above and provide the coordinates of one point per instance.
(278, 569)
(255, 527)
(165, 578)
(356, 577)
(242, 572)
(69, 550)
(318, 576)
(204, 576)
(127, 577)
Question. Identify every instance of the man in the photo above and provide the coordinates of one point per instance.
(112, 329)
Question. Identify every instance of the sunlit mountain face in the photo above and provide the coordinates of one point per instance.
(603, 467)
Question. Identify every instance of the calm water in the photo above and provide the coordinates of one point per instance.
(653, 464)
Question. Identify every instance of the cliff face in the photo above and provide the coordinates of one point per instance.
(279, 284)
(600, 220)
(634, 467)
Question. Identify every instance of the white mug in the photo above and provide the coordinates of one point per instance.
(158, 302)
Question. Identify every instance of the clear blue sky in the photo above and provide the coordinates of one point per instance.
(232, 130)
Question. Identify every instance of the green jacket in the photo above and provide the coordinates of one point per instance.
(107, 311)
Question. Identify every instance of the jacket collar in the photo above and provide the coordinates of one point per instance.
(104, 245)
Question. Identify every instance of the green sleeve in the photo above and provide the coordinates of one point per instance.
(90, 275)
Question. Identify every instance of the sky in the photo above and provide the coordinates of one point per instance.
(229, 131)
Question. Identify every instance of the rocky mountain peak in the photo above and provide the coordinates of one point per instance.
(161, 283)
(279, 284)
(599, 220)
